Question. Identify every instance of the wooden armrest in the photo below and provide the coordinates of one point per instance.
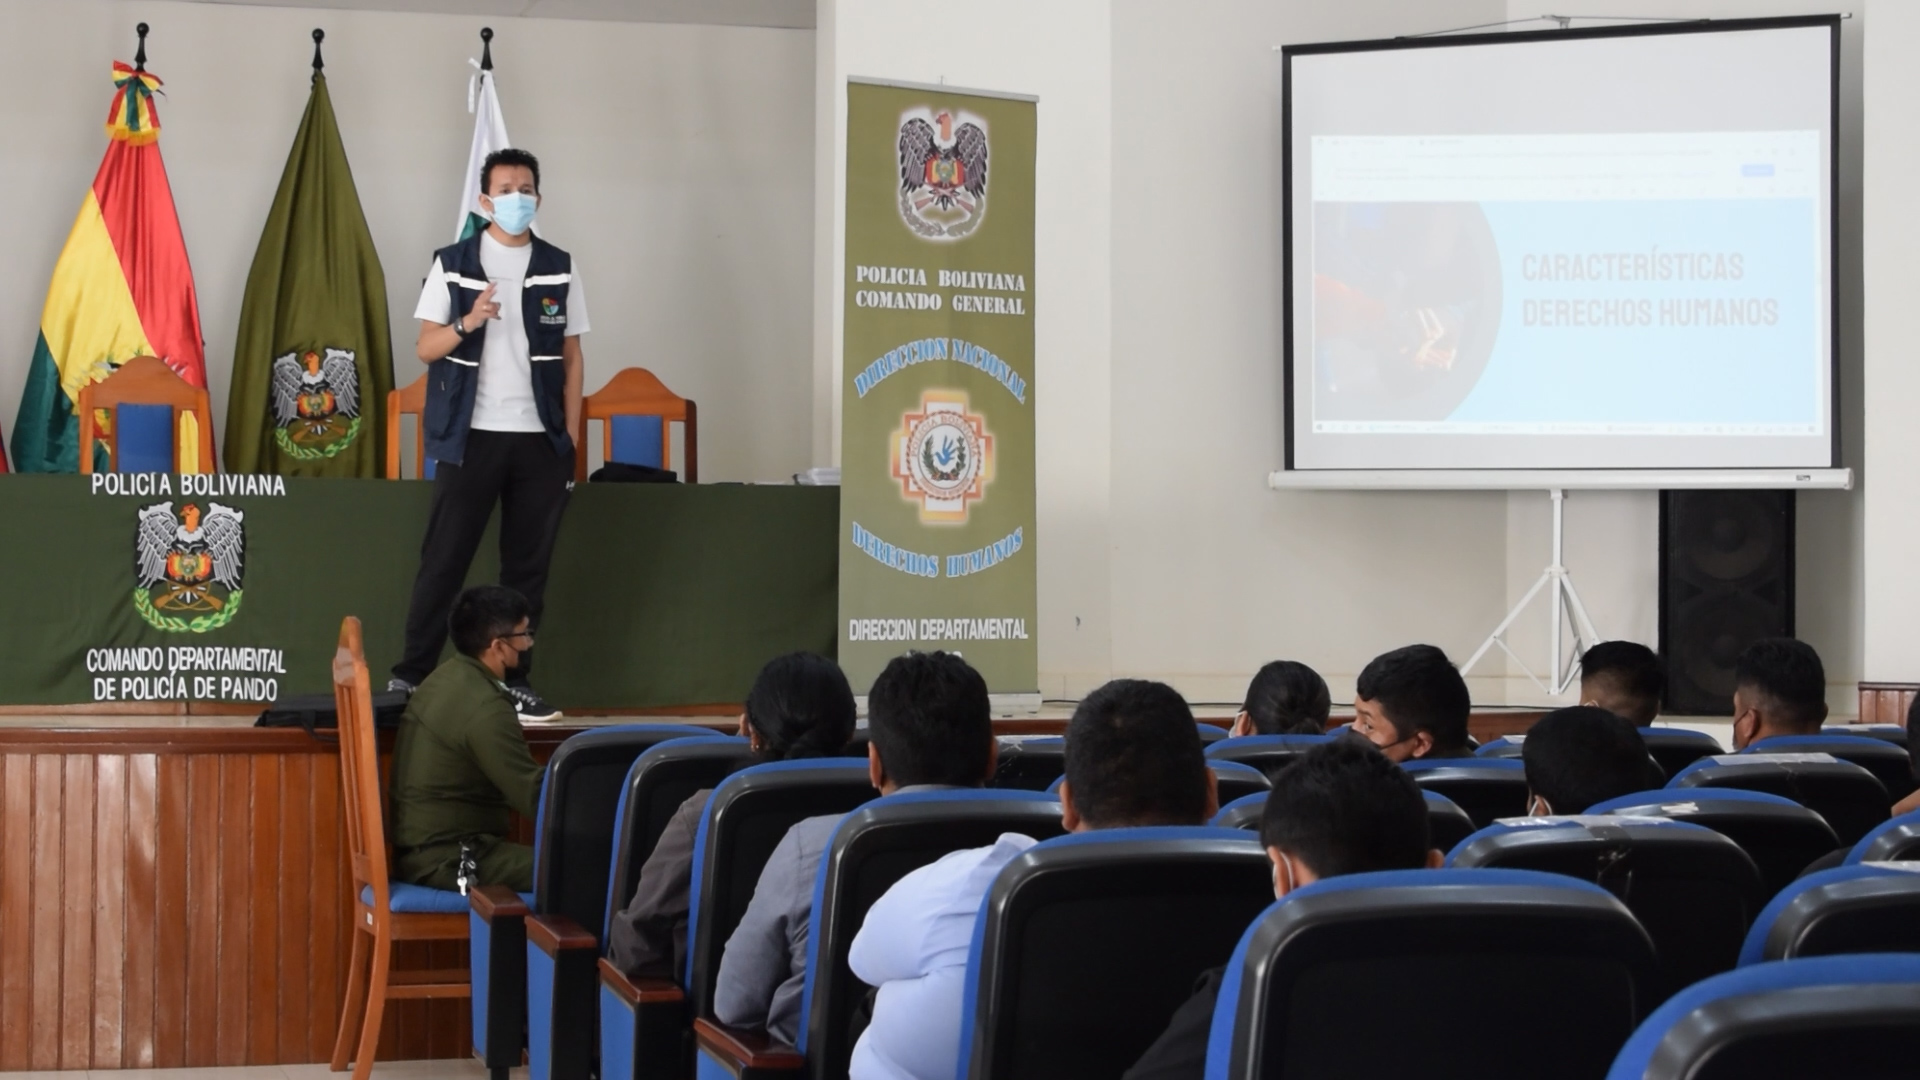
(556, 933)
(639, 991)
(745, 1049)
(491, 902)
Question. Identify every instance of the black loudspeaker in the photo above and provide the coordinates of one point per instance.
(1726, 580)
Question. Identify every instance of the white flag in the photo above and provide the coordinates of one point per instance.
(489, 134)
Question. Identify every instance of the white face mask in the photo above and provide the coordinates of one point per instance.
(513, 212)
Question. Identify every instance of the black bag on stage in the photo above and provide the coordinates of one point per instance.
(313, 712)
(619, 472)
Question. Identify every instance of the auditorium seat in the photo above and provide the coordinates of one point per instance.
(1268, 753)
(1893, 733)
(1781, 835)
(1510, 746)
(1088, 943)
(1887, 761)
(636, 412)
(1891, 840)
(1864, 908)
(1030, 764)
(1237, 781)
(1695, 891)
(1467, 974)
(874, 847)
(573, 839)
(1677, 748)
(1447, 824)
(1211, 733)
(1832, 1017)
(748, 815)
(1850, 798)
(1486, 788)
(660, 781)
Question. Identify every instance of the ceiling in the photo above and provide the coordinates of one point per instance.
(787, 14)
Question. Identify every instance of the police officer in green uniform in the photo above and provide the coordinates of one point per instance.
(460, 761)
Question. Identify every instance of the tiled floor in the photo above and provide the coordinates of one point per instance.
(448, 1069)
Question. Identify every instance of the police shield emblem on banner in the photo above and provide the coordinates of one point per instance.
(316, 402)
(187, 568)
(943, 172)
(943, 456)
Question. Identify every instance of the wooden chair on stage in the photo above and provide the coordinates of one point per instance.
(150, 408)
(383, 912)
(409, 399)
(635, 409)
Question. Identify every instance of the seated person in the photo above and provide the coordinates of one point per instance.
(1286, 697)
(1579, 756)
(1779, 688)
(930, 727)
(1625, 678)
(460, 760)
(1133, 757)
(800, 707)
(1412, 703)
(1337, 809)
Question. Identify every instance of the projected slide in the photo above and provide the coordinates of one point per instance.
(1607, 250)
(1554, 284)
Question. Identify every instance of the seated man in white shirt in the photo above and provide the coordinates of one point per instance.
(1133, 758)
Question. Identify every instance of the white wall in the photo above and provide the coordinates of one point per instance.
(1613, 538)
(674, 160)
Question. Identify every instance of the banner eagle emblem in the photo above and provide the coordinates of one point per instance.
(187, 570)
(316, 402)
(943, 173)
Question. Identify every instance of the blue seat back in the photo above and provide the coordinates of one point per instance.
(1030, 764)
(658, 783)
(1893, 733)
(1447, 824)
(579, 803)
(143, 438)
(1695, 891)
(1897, 838)
(1848, 797)
(1236, 780)
(1869, 907)
(1887, 761)
(1559, 966)
(873, 848)
(745, 819)
(1268, 753)
(1781, 835)
(1211, 733)
(1677, 748)
(1826, 1016)
(636, 440)
(1486, 788)
(1506, 746)
(1147, 910)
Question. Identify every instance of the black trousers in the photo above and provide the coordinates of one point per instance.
(520, 471)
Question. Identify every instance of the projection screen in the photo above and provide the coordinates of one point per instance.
(1570, 250)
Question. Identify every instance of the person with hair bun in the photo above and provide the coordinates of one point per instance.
(801, 706)
(1285, 697)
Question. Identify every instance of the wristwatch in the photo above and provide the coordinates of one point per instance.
(460, 326)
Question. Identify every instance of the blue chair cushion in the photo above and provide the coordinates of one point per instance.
(636, 440)
(405, 899)
(143, 438)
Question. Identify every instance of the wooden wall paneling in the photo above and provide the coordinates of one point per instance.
(76, 914)
(109, 910)
(231, 984)
(142, 899)
(295, 888)
(202, 913)
(1886, 703)
(265, 901)
(16, 907)
(46, 886)
(329, 913)
(171, 890)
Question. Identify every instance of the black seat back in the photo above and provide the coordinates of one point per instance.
(746, 818)
(1886, 760)
(573, 838)
(1268, 753)
(1850, 798)
(1237, 781)
(660, 780)
(1865, 908)
(1562, 965)
(1781, 835)
(1030, 764)
(1486, 788)
(1695, 891)
(1090, 942)
(1677, 748)
(874, 847)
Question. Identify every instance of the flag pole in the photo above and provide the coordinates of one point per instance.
(319, 35)
(486, 48)
(140, 54)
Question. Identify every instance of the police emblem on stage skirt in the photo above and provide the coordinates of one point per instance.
(943, 173)
(942, 456)
(316, 403)
(187, 569)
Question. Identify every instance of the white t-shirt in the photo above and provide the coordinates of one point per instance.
(503, 401)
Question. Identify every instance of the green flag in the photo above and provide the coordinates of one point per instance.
(312, 363)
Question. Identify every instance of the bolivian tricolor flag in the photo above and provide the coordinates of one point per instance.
(121, 289)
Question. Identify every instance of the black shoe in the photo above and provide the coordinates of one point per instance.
(533, 708)
(401, 686)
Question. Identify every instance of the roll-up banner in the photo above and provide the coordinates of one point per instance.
(937, 443)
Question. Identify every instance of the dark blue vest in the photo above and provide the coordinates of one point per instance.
(452, 380)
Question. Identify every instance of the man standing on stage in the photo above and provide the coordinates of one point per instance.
(500, 322)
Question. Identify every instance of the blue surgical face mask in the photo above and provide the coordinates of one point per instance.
(514, 212)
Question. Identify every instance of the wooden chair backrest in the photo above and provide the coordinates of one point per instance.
(411, 398)
(145, 380)
(360, 766)
(635, 391)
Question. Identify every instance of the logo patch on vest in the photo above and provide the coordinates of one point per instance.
(550, 312)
